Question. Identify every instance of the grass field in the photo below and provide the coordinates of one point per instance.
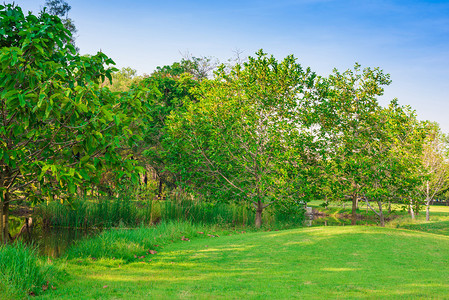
(312, 263)
(407, 260)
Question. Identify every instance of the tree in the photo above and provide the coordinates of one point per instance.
(58, 128)
(372, 151)
(61, 9)
(169, 91)
(123, 80)
(199, 67)
(349, 118)
(390, 171)
(246, 138)
(435, 167)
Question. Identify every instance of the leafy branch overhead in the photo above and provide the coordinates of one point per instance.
(61, 9)
(58, 127)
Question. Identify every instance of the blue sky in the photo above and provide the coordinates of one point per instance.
(407, 39)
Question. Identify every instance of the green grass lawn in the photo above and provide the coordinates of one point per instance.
(313, 263)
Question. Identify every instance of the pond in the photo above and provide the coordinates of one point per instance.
(326, 221)
(317, 218)
(53, 242)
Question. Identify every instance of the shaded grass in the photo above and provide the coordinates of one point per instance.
(441, 227)
(438, 224)
(312, 263)
(23, 273)
(130, 244)
(340, 212)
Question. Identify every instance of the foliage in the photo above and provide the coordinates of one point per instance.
(434, 167)
(372, 151)
(123, 79)
(23, 273)
(199, 67)
(246, 139)
(58, 128)
(169, 90)
(61, 9)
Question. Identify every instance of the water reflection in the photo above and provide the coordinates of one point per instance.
(53, 242)
(326, 221)
(317, 218)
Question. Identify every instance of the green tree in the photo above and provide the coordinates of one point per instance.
(169, 90)
(349, 113)
(58, 128)
(434, 166)
(123, 80)
(199, 67)
(61, 9)
(246, 139)
(390, 171)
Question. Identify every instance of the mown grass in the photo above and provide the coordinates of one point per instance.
(24, 273)
(183, 259)
(313, 263)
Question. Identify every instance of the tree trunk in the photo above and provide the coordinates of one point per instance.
(412, 211)
(259, 209)
(145, 179)
(160, 189)
(427, 209)
(2, 235)
(5, 218)
(381, 214)
(427, 202)
(354, 209)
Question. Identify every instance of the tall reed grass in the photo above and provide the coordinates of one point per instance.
(23, 273)
(128, 210)
(99, 212)
(207, 212)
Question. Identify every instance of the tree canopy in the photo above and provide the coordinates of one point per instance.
(261, 132)
(58, 128)
(245, 138)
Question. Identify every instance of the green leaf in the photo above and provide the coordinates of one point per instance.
(44, 170)
(84, 174)
(107, 114)
(41, 100)
(83, 107)
(22, 100)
